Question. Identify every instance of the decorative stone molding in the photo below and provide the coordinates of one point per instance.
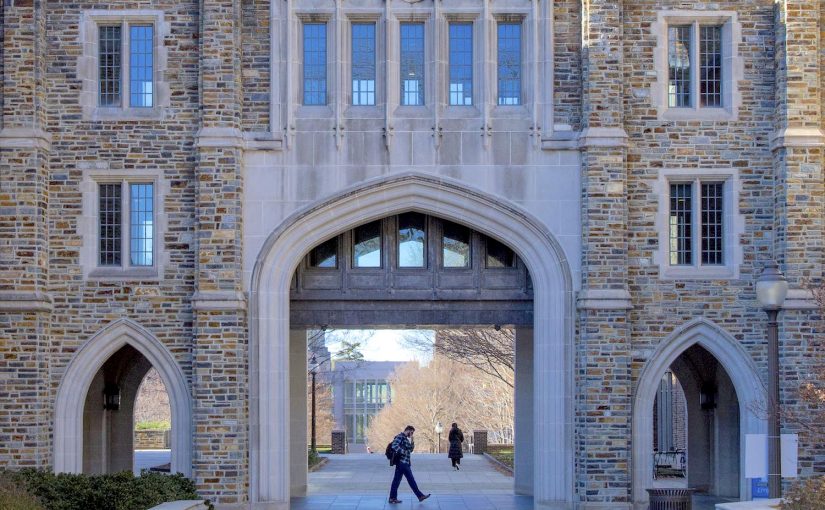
(25, 302)
(262, 141)
(561, 140)
(602, 137)
(25, 138)
(219, 137)
(71, 394)
(800, 299)
(214, 301)
(797, 137)
(604, 299)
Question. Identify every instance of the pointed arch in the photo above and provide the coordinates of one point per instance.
(738, 365)
(71, 394)
(553, 320)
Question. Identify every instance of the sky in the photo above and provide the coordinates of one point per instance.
(380, 344)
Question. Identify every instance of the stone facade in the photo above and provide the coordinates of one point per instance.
(244, 166)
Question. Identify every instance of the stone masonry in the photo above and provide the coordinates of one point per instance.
(238, 157)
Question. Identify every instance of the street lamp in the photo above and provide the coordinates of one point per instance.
(438, 430)
(313, 362)
(771, 289)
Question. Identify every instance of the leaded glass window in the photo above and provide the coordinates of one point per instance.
(412, 236)
(456, 245)
(679, 44)
(109, 224)
(109, 65)
(710, 65)
(363, 64)
(141, 65)
(681, 224)
(712, 223)
(509, 64)
(412, 64)
(141, 231)
(315, 64)
(367, 245)
(697, 226)
(461, 64)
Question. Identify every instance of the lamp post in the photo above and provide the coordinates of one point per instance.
(771, 289)
(313, 362)
(438, 430)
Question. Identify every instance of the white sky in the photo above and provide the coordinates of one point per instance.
(380, 344)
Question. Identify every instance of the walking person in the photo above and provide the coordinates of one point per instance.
(456, 437)
(403, 446)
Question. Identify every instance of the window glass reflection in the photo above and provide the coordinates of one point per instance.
(411, 236)
(367, 245)
(456, 244)
(325, 255)
(499, 255)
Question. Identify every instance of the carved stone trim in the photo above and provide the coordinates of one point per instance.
(219, 137)
(602, 137)
(800, 299)
(604, 299)
(25, 302)
(220, 300)
(797, 137)
(25, 138)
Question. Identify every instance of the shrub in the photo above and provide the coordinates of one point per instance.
(806, 494)
(153, 425)
(118, 491)
(14, 497)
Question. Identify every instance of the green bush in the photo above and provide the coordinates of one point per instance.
(118, 491)
(153, 425)
(14, 497)
(806, 494)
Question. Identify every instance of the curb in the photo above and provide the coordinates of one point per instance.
(318, 466)
(504, 468)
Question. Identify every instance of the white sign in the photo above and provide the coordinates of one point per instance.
(756, 455)
(790, 454)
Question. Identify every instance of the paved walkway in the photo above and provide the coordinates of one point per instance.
(362, 482)
(144, 459)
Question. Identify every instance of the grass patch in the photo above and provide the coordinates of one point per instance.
(153, 425)
(503, 454)
(313, 459)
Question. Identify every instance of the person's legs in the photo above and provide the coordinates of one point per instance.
(396, 481)
(411, 480)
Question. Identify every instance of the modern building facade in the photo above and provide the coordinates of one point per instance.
(172, 174)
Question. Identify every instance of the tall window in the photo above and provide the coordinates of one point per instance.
(315, 64)
(684, 56)
(697, 223)
(138, 199)
(411, 240)
(363, 64)
(461, 64)
(456, 245)
(509, 63)
(367, 245)
(412, 64)
(138, 74)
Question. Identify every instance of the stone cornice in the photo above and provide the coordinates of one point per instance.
(561, 140)
(218, 300)
(604, 299)
(25, 138)
(602, 137)
(262, 141)
(800, 299)
(797, 137)
(235, 138)
(13, 301)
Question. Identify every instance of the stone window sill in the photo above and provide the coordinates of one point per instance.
(698, 273)
(715, 114)
(121, 274)
(121, 114)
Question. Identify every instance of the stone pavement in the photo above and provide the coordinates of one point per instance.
(362, 482)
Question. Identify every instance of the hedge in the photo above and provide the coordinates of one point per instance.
(118, 491)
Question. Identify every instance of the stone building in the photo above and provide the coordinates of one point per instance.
(191, 185)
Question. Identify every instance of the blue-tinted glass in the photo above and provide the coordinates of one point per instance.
(141, 226)
(412, 64)
(141, 66)
(509, 63)
(363, 64)
(461, 64)
(315, 63)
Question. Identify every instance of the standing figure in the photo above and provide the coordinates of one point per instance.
(456, 437)
(403, 446)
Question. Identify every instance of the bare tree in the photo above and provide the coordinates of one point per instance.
(490, 350)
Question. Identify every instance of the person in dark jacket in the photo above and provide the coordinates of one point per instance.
(456, 437)
(403, 446)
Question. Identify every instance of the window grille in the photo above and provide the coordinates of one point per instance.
(461, 64)
(141, 65)
(109, 65)
(509, 64)
(315, 64)
(681, 228)
(412, 64)
(109, 224)
(363, 64)
(141, 234)
(710, 66)
(679, 43)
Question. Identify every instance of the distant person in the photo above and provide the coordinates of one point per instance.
(456, 437)
(403, 446)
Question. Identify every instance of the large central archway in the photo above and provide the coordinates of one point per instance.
(553, 321)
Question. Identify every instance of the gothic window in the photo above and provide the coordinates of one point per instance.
(363, 64)
(412, 236)
(113, 72)
(456, 246)
(315, 63)
(412, 64)
(325, 255)
(367, 245)
(461, 64)
(696, 223)
(137, 199)
(509, 63)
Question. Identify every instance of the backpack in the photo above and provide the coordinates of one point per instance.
(390, 454)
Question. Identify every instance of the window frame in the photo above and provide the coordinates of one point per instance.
(519, 21)
(88, 65)
(380, 57)
(426, 93)
(474, 75)
(302, 52)
(89, 225)
(732, 65)
(732, 224)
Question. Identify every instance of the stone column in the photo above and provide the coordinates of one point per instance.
(798, 144)
(25, 306)
(298, 412)
(603, 410)
(524, 440)
(220, 357)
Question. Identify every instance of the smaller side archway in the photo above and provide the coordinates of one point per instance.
(739, 367)
(84, 366)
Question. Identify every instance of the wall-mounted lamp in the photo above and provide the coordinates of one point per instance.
(111, 397)
(707, 397)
